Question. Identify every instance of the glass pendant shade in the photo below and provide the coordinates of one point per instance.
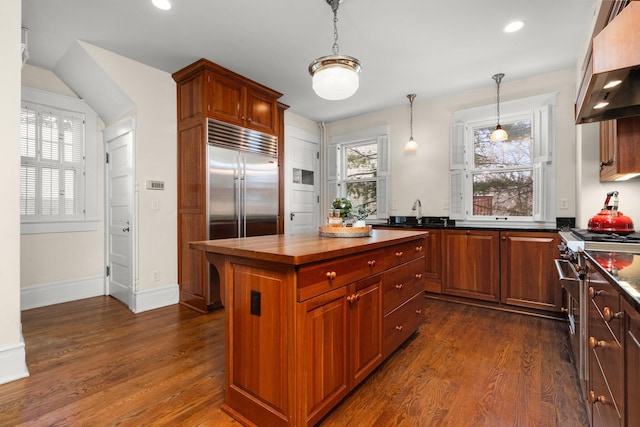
(499, 135)
(335, 77)
(411, 146)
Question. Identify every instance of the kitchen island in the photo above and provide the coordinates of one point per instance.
(308, 317)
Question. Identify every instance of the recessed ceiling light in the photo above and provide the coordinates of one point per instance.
(601, 105)
(162, 4)
(612, 83)
(514, 26)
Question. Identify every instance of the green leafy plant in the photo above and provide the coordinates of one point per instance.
(343, 206)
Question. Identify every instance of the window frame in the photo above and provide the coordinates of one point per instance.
(86, 182)
(336, 168)
(541, 109)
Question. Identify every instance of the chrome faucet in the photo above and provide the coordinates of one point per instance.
(417, 205)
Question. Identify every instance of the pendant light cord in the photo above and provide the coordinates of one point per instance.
(334, 6)
(498, 79)
(411, 98)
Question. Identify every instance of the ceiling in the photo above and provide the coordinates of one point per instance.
(428, 47)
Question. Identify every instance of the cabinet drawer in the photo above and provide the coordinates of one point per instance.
(603, 406)
(606, 354)
(401, 283)
(606, 301)
(404, 252)
(315, 279)
(398, 325)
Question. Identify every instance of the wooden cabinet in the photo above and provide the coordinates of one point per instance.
(619, 153)
(207, 90)
(470, 265)
(631, 331)
(606, 357)
(528, 277)
(433, 261)
(302, 334)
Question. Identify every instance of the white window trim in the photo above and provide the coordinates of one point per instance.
(91, 220)
(541, 108)
(380, 134)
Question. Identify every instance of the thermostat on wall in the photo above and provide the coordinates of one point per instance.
(155, 185)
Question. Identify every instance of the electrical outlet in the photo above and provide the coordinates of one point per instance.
(564, 203)
(394, 205)
(155, 205)
(155, 275)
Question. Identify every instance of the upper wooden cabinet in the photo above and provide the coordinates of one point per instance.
(619, 152)
(206, 89)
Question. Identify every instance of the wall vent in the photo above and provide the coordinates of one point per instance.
(155, 185)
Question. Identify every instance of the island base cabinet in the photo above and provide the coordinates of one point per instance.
(632, 363)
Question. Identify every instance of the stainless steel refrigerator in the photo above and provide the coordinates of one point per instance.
(242, 187)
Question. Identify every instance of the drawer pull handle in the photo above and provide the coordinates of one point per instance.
(593, 398)
(399, 286)
(609, 315)
(593, 293)
(593, 343)
(353, 298)
(418, 248)
(418, 275)
(331, 275)
(372, 263)
(419, 311)
(399, 328)
(399, 254)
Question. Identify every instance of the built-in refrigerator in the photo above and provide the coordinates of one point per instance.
(242, 187)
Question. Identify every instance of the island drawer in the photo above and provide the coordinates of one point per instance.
(401, 283)
(606, 301)
(398, 325)
(404, 252)
(318, 278)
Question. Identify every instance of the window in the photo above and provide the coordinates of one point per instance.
(53, 167)
(359, 170)
(511, 181)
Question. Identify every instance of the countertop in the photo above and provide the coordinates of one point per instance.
(457, 227)
(302, 249)
(621, 269)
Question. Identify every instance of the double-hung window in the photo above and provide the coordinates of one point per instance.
(358, 169)
(53, 167)
(510, 181)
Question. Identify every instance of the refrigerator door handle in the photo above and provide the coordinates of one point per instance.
(243, 197)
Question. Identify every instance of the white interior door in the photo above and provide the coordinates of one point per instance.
(302, 177)
(119, 140)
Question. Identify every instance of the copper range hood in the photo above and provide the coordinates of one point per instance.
(615, 56)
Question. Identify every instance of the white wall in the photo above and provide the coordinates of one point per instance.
(56, 258)
(154, 94)
(425, 174)
(12, 355)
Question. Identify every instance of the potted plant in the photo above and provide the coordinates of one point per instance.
(341, 207)
(360, 214)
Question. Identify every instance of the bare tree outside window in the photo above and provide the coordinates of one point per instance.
(503, 172)
(361, 175)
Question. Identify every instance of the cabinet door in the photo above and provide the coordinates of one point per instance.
(433, 261)
(607, 148)
(365, 327)
(261, 112)
(324, 352)
(225, 99)
(632, 363)
(470, 265)
(528, 276)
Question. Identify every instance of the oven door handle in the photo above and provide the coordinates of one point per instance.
(569, 278)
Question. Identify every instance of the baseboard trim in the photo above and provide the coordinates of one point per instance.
(59, 292)
(155, 298)
(13, 364)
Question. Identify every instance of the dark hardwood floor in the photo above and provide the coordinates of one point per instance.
(94, 363)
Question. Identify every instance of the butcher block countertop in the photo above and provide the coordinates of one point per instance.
(302, 249)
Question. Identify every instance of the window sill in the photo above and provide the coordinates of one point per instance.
(58, 227)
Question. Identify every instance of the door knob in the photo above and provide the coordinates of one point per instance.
(126, 229)
(291, 215)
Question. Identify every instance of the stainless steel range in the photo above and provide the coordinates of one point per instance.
(571, 269)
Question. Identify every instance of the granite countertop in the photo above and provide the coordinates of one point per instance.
(621, 269)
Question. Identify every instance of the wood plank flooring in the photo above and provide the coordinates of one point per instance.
(94, 363)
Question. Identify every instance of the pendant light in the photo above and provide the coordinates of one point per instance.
(499, 134)
(411, 146)
(335, 76)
